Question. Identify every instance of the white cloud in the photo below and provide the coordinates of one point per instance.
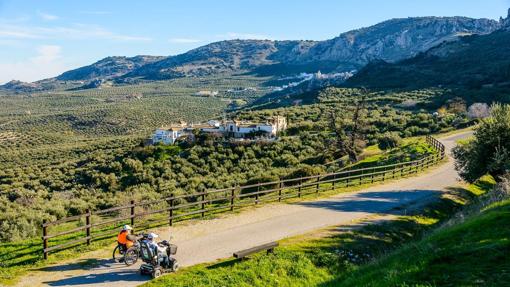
(75, 31)
(46, 63)
(19, 19)
(47, 17)
(47, 54)
(9, 43)
(13, 32)
(184, 40)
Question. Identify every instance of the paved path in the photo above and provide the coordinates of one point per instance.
(209, 240)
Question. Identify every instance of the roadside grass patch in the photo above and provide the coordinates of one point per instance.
(473, 253)
(411, 149)
(19, 258)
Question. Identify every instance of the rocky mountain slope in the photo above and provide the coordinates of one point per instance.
(396, 39)
(474, 61)
(391, 41)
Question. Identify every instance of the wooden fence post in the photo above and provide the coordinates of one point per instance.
(203, 203)
(280, 192)
(171, 210)
(257, 194)
(87, 224)
(317, 185)
(333, 183)
(232, 195)
(132, 213)
(45, 240)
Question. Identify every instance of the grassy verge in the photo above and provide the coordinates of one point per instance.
(331, 256)
(472, 253)
(411, 149)
(19, 257)
(447, 134)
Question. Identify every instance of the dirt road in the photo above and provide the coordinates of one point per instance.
(209, 240)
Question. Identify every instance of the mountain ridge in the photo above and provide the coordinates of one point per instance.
(475, 61)
(391, 40)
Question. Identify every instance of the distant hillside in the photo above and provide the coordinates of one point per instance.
(107, 68)
(224, 57)
(395, 39)
(473, 61)
(390, 41)
(84, 77)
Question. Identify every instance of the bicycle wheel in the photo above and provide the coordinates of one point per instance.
(117, 254)
(131, 256)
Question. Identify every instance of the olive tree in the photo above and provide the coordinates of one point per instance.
(478, 111)
(489, 151)
(389, 140)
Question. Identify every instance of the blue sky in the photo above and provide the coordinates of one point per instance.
(40, 39)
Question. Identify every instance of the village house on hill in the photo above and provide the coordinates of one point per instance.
(229, 128)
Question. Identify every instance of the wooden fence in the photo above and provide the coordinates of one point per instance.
(102, 224)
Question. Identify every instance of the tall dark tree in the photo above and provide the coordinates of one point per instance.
(349, 138)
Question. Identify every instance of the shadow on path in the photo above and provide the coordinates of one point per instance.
(114, 276)
(85, 264)
(372, 202)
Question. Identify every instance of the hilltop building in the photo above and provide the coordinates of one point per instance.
(206, 93)
(169, 135)
(227, 128)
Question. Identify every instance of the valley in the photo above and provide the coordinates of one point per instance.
(80, 142)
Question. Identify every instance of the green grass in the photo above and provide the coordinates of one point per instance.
(18, 258)
(474, 253)
(411, 149)
(333, 258)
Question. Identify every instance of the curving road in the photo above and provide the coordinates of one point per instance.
(210, 240)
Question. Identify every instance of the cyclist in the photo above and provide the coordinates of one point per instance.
(125, 238)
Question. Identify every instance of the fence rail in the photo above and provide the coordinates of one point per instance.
(72, 230)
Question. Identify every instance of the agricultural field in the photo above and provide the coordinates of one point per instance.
(406, 113)
(46, 138)
(64, 152)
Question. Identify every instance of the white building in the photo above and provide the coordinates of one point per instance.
(240, 129)
(234, 129)
(207, 93)
(170, 135)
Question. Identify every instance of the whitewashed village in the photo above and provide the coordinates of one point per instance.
(231, 129)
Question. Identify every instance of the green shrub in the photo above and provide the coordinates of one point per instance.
(389, 140)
